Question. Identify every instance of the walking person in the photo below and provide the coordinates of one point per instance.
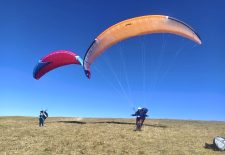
(140, 114)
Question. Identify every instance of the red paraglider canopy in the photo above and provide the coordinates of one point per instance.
(54, 60)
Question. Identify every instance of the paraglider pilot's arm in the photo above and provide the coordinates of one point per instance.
(136, 113)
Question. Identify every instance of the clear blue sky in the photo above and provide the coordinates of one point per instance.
(170, 75)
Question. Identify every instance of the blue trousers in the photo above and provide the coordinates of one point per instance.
(41, 122)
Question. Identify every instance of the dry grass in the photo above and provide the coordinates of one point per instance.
(21, 135)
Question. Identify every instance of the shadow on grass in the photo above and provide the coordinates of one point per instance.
(212, 147)
(112, 122)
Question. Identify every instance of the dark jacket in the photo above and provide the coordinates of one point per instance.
(41, 116)
(141, 113)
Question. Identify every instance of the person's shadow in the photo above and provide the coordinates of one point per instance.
(113, 122)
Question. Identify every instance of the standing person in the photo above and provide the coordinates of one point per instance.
(141, 115)
(43, 115)
(41, 119)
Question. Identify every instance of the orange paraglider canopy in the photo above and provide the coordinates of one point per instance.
(135, 27)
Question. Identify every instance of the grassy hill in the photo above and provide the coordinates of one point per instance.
(75, 136)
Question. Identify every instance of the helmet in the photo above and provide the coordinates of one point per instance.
(139, 108)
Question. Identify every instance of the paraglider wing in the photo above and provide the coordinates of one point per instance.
(136, 27)
(219, 142)
(54, 60)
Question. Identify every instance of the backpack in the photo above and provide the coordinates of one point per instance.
(219, 142)
(145, 110)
